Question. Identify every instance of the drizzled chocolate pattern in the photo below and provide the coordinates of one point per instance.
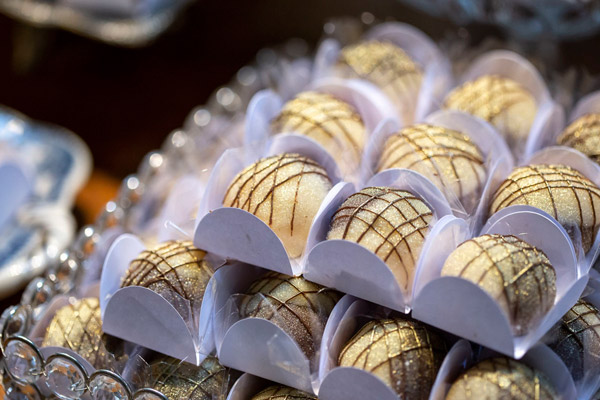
(576, 339)
(297, 306)
(447, 157)
(285, 192)
(501, 101)
(583, 135)
(180, 380)
(78, 327)
(502, 378)
(392, 223)
(333, 123)
(282, 393)
(176, 270)
(560, 191)
(517, 275)
(388, 67)
(404, 354)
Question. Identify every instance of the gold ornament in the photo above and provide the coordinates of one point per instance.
(583, 135)
(517, 275)
(560, 191)
(502, 378)
(388, 67)
(404, 354)
(176, 270)
(447, 157)
(299, 307)
(179, 380)
(283, 191)
(392, 223)
(282, 393)
(331, 122)
(78, 327)
(576, 339)
(501, 101)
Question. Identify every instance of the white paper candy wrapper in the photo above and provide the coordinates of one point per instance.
(550, 115)
(140, 315)
(436, 68)
(218, 227)
(350, 267)
(589, 104)
(460, 307)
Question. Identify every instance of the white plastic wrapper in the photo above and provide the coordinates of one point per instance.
(589, 104)
(218, 227)
(268, 351)
(460, 307)
(14, 175)
(140, 315)
(437, 76)
(550, 115)
(353, 269)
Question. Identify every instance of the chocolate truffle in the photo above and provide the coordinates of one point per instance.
(179, 380)
(299, 307)
(285, 192)
(78, 327)
(331, 122)
(447, 157)
(576, 339)
(560, 191)
(282, 393)
(583, 135)
(392, 223)
(388, 67)
(501, 378)
(404, 354)
(501, 101)
(516, 274)
(176, 270)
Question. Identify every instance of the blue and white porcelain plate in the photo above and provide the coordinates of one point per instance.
(56, 164)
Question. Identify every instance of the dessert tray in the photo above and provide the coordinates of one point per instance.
(361, 222)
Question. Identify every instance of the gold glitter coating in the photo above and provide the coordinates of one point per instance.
(404, 354)
(516, 274)
(567, 195)
(333, 123)
(282, 393)
(502, 378)
(178, 380)
(388, 67)
(501, 101)
(297, 306)
(583, 134)
(78, 327)
(392, 223)
(576, 339)
(176, 270)
(447, 157)
(285, 192)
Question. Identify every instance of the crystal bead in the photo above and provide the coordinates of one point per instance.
(65, 379)
(15, 391)
(22, 361)
(105, 387)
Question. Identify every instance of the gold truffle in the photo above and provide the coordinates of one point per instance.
(282, 393)
(392, 223)
(583, 135)
(179, 380)
(576, 339)
(501, 378)
(297, 306)
(516, 274)
(388, 67)
(78, 327)
(404, 354)
(560, 191)
(331, 122)
(176, 270)
(501, 101)
(447, 157)
(283, 191)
